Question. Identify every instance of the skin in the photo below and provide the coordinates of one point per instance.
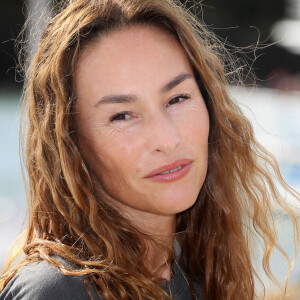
(156, 129)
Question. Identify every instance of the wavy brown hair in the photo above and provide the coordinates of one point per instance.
(69, 214)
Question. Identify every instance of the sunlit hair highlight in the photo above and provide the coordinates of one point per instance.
(68, 211)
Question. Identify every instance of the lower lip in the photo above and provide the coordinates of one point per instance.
(171, 176)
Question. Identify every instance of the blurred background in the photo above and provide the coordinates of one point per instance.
(263, 34)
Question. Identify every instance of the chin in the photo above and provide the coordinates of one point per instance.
(179, 205)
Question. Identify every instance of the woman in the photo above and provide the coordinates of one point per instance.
(144, 180)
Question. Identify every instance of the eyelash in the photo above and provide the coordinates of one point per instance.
(114, 117)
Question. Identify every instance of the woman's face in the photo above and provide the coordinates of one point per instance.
(133, 118)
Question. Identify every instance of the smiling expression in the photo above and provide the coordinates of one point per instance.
(139, 108)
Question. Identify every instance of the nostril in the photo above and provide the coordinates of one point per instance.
(162, 134)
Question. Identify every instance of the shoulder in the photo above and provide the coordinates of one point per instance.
(41, 281)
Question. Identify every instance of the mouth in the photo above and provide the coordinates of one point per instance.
(172, 171)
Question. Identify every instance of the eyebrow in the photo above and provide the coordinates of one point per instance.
(119, 98)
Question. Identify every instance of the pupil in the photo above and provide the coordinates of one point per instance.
(119, 117)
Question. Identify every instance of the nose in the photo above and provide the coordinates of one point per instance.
(162, 134)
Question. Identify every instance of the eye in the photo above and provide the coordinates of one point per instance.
(122, 116)
(178, 99)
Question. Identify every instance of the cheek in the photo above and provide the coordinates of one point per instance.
(194, 127)
(116, 168)
(119, 147)
(110, 153)
(117, 156)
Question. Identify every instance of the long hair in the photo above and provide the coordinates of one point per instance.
(69, 214)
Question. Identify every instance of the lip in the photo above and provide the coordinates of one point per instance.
(180, 162)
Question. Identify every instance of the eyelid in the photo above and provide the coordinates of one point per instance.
(185, 96)
(119, 113)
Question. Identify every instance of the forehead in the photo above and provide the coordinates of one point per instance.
(136, 54)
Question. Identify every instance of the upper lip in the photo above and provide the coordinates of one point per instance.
(171, 166)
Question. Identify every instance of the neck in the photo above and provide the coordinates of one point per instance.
(163, 229)
(158, 259)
